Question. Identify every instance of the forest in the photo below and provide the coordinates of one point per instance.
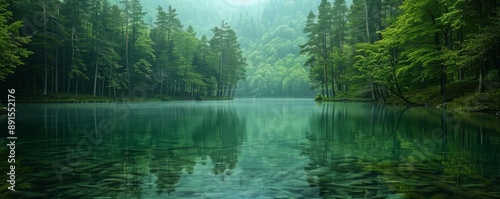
(105, 49)
(383, 49)
(392, 51)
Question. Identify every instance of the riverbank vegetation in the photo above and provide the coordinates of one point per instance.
(106, 50)
(416, 52)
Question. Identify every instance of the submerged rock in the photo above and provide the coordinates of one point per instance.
(311, 192)
(281, 196)
(319, 171)
(397, 196)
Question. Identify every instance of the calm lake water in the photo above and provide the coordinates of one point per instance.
(252, 148)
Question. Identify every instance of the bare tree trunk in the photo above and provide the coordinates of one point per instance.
(367, 22)
(325, 72)
(379, 8)
(128, 68)
(57, 71)
(76, 86)
(72, 56)
(103, 82)
(64, 68)
(96, 57)
(95, 77)
(234, 89)
(161, 80)
(480, 87)
(46, 56)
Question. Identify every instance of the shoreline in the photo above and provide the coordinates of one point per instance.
(453, 108)
(64, 98)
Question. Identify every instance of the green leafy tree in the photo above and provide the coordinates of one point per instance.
(11, 43)
(231, 61)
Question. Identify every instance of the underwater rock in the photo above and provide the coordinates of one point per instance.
(296, 183)
(397, 196)
(319, 171)
(344, 159)
(311, 192)
(351, 176)
(281, 196)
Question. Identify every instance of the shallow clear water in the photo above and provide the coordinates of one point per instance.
(253, 148)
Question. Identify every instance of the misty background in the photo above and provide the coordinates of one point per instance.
(269, 31)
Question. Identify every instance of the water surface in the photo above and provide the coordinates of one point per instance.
(253, 148)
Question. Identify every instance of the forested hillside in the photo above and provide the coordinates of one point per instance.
(271, 44)
(105, 49)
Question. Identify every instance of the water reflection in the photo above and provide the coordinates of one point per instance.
(369, 150)
(248, 149)
(123, 150)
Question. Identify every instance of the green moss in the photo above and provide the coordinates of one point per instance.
(478, 102)
(461, 96)
(347, 96)
(432, 95)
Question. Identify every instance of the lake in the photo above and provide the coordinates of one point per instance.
(252, 148)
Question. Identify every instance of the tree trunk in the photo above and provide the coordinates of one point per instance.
(72, 56)
(57, 71)
(128, 68)
(76, 86)
(103, 82)
(380, 28)
(480, 87)
(234, 89)
(95, 76)
(372, 90)
(381, 93)
(46, 56)
(64, 68)
(323, 90)
(367, 22)
(333, 83)
(52, 76)
(96, 56)
(161, 80)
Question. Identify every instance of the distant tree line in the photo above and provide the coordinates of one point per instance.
(96, 47)
(270, 42)
(381, 48)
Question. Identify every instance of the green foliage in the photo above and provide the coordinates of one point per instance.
(11, 43)
(271, 45)
(318, 97)
(394, 47)
(478, 102)
(371, 49)
(110, 49)
(231, 63)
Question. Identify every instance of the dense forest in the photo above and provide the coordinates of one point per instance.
(105, 49)
(382, 48)
(270, 43)
(377, 50)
